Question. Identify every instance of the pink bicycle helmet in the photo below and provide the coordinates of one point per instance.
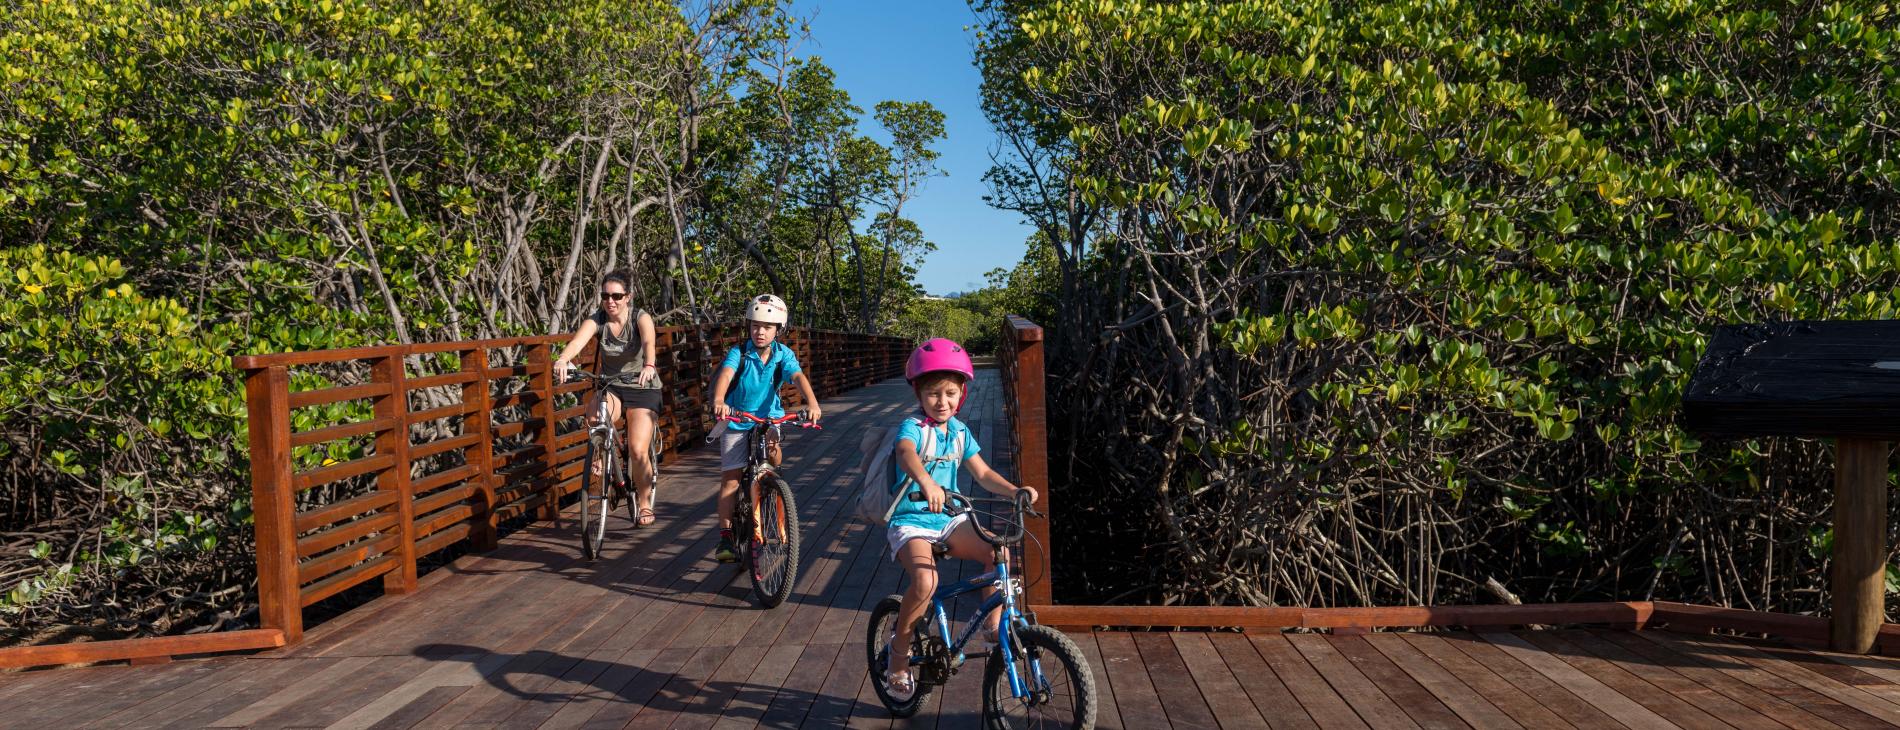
(936, 356)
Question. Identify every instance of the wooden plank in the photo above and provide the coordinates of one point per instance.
(419, 452)
(749, 703)
(461, 671)
(481, 457)
(1717, 676)
(418, 709)
(1601, 696)
(1411, 697)
(341, 431)
(304, 480)
(1223, 692)
(1269, 694)
(1675, 684)
(326, 396)
(337, 511)
(605, 689)
(542, 704)
(1550, 694)
(1180, 698)
(255, 679)
(1859, 566)
(495, 687)
(672, 697)
(1499, 690)
(1443, 686)
(1788, 672)
(347, 532)
(1324, 704)
(1108, 715)
(1366, 699)
(123, 649)
(459, 377)
(291, 693)
(719, 689)
(339, 582)
(1622, 682)
(1135, 692)
(273, 503)
(795, 699)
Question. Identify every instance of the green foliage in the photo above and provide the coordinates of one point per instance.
(1448, 256)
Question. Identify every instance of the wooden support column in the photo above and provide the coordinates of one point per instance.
(273, 503)
(541, 381)
(480, 421)
(394, 441)
(1860, 543)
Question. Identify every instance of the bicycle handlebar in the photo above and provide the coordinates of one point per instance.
(1024, 508)
(799, 419)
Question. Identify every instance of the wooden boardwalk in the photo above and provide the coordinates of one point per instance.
(658, 635)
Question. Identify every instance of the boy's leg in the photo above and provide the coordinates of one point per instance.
(917, 562)
(966, 544)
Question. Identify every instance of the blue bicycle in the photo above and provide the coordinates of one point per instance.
(1017, 691)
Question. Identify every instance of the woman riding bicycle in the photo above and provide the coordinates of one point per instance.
(627, 357)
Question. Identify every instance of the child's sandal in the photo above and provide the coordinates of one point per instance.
(900, 684)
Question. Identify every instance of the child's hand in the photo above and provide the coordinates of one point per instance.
(1034, 496)
(933, 495)
(721, 411)
(813, 412)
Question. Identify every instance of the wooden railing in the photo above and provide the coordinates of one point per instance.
(1019, 355)
(366, 460)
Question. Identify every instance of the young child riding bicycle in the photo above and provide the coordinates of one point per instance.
(748, 381)
(939, 373)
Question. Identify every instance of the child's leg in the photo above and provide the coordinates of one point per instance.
(915, 558)
(966, 544)
(728, 496)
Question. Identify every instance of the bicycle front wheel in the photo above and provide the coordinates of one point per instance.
(773, 548)
(877, 654)
(1061, 688)
(596, 497)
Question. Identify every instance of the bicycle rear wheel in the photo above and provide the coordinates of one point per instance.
(773, 549)
(596, 497)
(1065, 696)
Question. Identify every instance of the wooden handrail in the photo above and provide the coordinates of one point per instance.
(464, 496)
(1021, 360)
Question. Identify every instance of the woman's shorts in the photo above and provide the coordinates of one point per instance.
(897, 534)
(732, 454)
(648, 398)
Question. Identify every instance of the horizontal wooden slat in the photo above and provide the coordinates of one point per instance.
(343, 581)
(448, 536)
(573, 411)
(514, 371)
(512, 400)
(443, 519)
(452, 409)
(342, 431)
(255, 362)
(324, 396)
(1682, 616)
(318, 477)
(437, 381)
(337, 511)
(329, 563)
(419, 452)
(312, 544)
(504, 430)
(422, 485)
(444, 498)
(512, 456)
(21, 657)
(1267, 617)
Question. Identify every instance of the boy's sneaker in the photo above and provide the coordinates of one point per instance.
(726, 552)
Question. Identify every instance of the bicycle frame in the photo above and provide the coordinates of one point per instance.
(1006, 599)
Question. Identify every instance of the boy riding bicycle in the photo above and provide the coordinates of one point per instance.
(748, 381)
(939, 373)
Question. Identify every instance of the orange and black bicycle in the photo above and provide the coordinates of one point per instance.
(766, 515)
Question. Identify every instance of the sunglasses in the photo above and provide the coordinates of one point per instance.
(613, 296)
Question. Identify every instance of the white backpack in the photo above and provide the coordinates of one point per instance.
(876, 502)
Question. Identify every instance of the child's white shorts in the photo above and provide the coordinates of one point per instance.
(897, 534)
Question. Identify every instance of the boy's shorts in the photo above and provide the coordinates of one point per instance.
(732, 453)
(897, 534)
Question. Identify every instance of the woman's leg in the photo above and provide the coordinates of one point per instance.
(639, 455)
(602, 407)
(966, 544)
(917, 562)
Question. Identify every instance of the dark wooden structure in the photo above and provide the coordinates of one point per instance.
(1838, 380)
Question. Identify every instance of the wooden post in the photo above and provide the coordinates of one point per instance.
(1860, 543)
(395, 441)
(482, 455)
(541, 380)
(273, 505)
(1032, 449)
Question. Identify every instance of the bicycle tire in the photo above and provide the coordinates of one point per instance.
(1044, 642)
(773, 550)
(883, 620)
(594, 509)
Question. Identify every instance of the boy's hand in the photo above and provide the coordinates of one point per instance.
(933, 495)
(813, 412)
(721, 411)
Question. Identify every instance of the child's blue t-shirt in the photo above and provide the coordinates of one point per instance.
(753, 389)
(918, 514)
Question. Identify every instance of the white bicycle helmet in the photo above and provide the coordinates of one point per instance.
(766, 308)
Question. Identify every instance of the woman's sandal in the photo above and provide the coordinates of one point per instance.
(646, 517)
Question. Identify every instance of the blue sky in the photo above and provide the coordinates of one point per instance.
(919, 50)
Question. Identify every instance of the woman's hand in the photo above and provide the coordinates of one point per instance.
(648, 374)
(1034, 496)
(560, 371)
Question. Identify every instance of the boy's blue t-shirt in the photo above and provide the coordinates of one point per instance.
(918, 514)
(752, 389)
